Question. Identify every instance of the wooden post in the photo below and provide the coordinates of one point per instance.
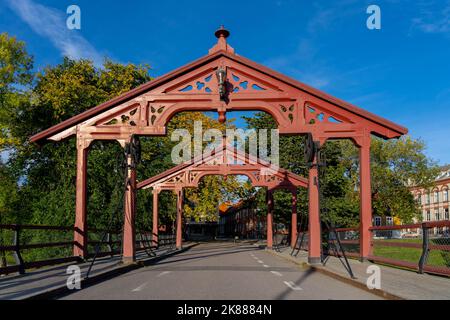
(155, 217)
(365, 215)
(129, 232)
(294, 218)
(80, 248)
(314, 243)
(179, 218)
(269, 198)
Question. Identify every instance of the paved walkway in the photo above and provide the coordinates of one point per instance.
(223, 271)
(41, 281)
(396, 282)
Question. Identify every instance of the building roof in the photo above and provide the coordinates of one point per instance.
(217, 52)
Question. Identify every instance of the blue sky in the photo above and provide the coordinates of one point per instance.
(401, 72)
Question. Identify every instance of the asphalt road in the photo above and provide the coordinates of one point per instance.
(222, 271)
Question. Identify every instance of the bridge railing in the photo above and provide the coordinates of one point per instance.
(25, 247)
(348, 239)
(423, 247)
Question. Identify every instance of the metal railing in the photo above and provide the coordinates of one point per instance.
(348, 239)
(422, 247)
(19, 250)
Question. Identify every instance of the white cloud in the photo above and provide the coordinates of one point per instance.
(51, 24)
(433, 19)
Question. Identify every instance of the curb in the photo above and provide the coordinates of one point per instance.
(95, 279)
(334, 275)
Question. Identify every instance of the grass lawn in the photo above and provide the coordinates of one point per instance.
(435, 257)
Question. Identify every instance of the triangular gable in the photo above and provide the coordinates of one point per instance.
(224, 161)
(296, 107)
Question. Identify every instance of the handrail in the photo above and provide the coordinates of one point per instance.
(426, 245)
(17, 247)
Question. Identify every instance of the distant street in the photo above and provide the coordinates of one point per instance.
(224, 271)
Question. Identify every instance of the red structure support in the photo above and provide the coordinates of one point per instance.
(297, 108)
(179, 237)
(365, 215)
(80, 248)
(294, 229)
(129, 232)
(314, 216)
(269, 196)
(155, 217)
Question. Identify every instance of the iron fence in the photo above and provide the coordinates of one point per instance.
(33, 246)
(423, 247)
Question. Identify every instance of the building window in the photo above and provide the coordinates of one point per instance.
(389, 221)
(446, 214)
(428, 198)
(437, 215)
(419, 199)
(436, 196)
(445, 193)
(377, 221)
(428, 216)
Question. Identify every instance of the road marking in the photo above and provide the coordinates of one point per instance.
(140, 287)
(259, 261)
(265, 266)
(163, 273)
(277, 274)
(292, 285)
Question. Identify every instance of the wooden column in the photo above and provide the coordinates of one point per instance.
(155, 217)
(365, 215)
(129, 232)
(80, 248)
(294, 218)
(269, 198)
(179, 239)
(314, 243)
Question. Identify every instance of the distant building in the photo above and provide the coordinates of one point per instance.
(241, 220)
(434, 202)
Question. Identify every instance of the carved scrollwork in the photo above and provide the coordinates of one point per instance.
(314, 115)
(202, 85)
(130, 118)
(240, 83)
(155, 112)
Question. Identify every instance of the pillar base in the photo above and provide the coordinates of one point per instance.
(363, 259)
(314, 260)
(269, 248)
(128, 260)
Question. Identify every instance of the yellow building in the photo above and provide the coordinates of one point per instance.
(434, 202)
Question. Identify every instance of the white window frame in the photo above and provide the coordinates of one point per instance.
(377, 221)
(436, 196)
(389, 221)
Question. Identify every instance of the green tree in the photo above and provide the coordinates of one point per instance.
(396, 164)
(15, 75)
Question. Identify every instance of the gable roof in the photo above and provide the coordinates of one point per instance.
(301, 181)
(213, 55)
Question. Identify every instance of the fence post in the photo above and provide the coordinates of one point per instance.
(17, 256)
(109, 243)
(425, 249)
